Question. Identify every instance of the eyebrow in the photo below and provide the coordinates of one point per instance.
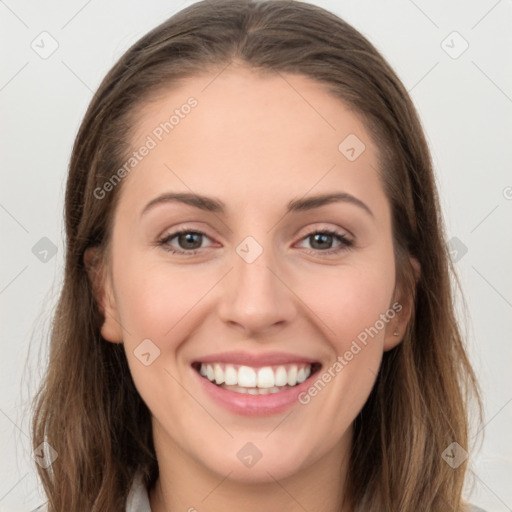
(211, 204)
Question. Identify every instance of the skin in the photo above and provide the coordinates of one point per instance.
(255, 143)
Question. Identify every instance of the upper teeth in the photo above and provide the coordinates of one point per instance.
(264, 377)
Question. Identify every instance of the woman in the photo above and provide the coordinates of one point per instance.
(256, 312)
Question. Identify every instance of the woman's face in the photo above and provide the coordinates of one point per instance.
(257, 288)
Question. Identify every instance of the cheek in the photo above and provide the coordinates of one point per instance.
(153, 297)
(159, 302)
(350, 299)
(355, 312)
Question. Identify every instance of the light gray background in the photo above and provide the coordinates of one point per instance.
(465, 104)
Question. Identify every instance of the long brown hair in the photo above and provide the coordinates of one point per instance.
(88, 409)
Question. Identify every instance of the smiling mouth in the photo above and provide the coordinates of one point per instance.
(250, 380)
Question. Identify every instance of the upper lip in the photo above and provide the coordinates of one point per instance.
(256, 360)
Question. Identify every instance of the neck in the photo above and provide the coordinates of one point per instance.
(184, 484)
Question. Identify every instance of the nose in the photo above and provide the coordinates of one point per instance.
(256, 297)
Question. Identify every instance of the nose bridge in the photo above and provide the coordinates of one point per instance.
(255, 296)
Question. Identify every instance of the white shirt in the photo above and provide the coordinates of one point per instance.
(138, 499)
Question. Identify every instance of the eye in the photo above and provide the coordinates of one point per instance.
(322, 241)
(189, 241)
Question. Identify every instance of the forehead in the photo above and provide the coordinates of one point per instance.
(250, 137)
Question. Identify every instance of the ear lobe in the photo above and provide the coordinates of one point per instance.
(104, 295)
(396, 328)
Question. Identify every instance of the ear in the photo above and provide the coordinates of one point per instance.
(403, 305)
(101, 282)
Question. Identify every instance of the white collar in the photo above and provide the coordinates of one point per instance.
(138, 499)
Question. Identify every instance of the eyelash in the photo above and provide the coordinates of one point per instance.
(346, 244)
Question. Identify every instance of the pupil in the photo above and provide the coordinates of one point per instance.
(323, 238)
(188, 240)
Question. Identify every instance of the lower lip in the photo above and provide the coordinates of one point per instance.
(253, 405)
